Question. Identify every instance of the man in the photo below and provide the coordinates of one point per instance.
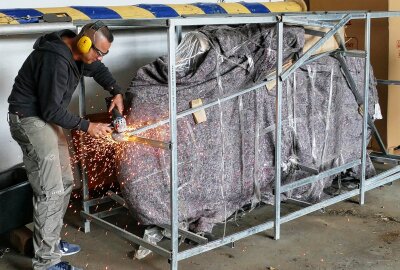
(37, 114)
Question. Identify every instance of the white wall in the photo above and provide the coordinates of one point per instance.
(129, 51)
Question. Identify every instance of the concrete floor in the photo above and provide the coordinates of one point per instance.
(345, 236)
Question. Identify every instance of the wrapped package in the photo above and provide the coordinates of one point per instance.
(227, 160)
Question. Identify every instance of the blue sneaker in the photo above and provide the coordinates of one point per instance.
(63, 266)
(67, 248)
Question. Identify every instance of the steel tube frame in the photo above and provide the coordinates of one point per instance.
(388, 82)
(125, 234)
(319, 205)
(278, 130)
(109, 213)
(172, 38)
(365, 107)
(383, 181)
(173, 30)
(321, 175)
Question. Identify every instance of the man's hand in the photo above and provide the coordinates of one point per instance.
(99, 130)
(117, 101)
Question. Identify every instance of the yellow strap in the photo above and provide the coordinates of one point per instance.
(73, 13)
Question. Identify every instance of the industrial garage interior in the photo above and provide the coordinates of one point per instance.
(215, 95)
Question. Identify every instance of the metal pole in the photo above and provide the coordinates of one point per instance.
(278, 106)
(174, 146)
(365, 115)
(85, 185)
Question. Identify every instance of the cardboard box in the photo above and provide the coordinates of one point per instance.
(355, 35)
(393, 112)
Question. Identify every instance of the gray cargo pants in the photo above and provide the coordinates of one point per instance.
(46, 158)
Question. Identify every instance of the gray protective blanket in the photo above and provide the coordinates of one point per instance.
(228, 161)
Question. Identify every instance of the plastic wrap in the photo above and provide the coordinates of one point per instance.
(152, 235)
(227, 161)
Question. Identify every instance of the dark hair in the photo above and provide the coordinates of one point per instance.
(105, 31)
(102, 28)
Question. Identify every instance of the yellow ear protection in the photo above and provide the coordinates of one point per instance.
(86, 41)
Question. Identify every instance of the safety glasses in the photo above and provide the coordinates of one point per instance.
(99, 53)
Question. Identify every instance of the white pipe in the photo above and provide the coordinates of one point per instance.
(23, 29)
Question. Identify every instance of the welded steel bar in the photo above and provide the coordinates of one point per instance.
(117, 199)
(377, 154)
(319, 16)
(278, 130)
(377, 15)
(388, 82)
(211, 20)
(192, 236)
(353, 53)
(337, 15)
(384, 160)
(153, 22)
(298, 202)
(33, 28)
(320, 205)
(314, 178)
(141, 140)
(374, 184)
(126, 235)
(174, 144)
(313, 32)
(340, 40)
(307, 22)
(315, 47)
(109, 213)
(97, 201)
(365, 107)
(226, 240)
(360, 99)
(383, 175)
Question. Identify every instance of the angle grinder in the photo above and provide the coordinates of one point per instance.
(118, 121)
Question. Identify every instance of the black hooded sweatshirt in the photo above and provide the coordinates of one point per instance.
(48, 78)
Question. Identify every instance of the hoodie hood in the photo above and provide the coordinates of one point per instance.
(53, 42)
